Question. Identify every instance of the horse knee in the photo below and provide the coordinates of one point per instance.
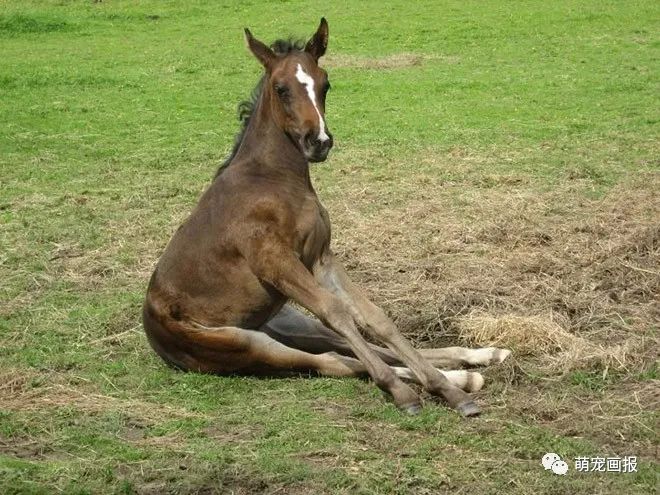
(383, 328)
(337, 315)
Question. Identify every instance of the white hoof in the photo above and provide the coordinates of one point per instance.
(475, 382)
(500, 355)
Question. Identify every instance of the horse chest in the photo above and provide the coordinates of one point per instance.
(316, 236)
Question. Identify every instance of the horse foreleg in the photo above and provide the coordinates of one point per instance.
(332, 275)
(276, 265)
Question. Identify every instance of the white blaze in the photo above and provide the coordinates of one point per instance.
(307, 81)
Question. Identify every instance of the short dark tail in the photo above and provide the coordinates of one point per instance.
(161, 339)
(185, 346)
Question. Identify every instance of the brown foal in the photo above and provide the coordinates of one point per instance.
(259, 237)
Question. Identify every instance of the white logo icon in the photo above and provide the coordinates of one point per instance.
(548, 459)
(553, 461)
(559, 467)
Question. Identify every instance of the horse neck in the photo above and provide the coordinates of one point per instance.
(267, 148)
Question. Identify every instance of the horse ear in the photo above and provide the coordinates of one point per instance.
(319, 42)
(264, 54)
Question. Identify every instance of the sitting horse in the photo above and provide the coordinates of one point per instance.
(219, 298)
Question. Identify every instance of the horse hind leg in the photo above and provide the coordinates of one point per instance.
(226, 350)
(465, 356)
(270, 356)
(470, 381)
(294, 329)
(191, 346)
(266, 355)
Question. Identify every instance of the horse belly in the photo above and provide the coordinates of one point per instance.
(227, 295)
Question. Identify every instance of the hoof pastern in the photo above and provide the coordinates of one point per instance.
(412, 409)
(501, 355)
(475, 382)
(468, 409)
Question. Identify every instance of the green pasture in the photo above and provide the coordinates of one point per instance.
(113, 118)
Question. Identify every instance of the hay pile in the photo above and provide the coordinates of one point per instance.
(542, 336)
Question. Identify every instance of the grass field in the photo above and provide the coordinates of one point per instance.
(495, 179)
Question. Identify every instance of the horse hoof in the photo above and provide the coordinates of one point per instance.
(412, 409)
(501, 354)
(468, 409)
(475, 381)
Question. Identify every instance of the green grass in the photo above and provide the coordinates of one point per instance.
(113, 118)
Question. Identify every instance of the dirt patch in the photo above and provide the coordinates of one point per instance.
(568, 280)
(25, 448)
(394, 61)
(232, 434)
(200, 478)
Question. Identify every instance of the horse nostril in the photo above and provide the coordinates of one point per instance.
(309, 139)
(312, 140)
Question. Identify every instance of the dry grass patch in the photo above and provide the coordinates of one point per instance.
(526, 335)
(28, 391)
(543, 336)
(545, 271)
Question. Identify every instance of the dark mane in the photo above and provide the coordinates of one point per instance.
(246, 107)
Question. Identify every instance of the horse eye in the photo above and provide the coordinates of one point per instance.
(282, 91)
(327, 87)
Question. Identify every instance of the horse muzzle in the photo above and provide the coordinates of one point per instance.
(314, 149)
